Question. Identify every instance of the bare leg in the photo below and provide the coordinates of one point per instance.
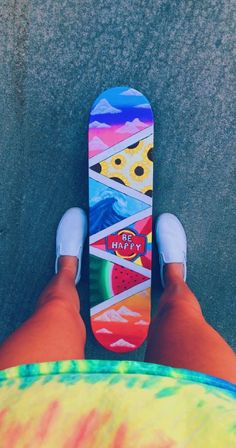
(179, 336)
(56, 330)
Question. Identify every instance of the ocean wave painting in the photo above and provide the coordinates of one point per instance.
(108, 206)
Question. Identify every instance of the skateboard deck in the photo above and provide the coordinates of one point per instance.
(120, 217)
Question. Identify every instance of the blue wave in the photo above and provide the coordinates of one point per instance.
(103, 215)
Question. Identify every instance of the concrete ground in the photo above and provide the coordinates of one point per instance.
(57, 57)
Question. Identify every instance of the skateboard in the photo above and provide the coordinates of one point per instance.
(120, 158)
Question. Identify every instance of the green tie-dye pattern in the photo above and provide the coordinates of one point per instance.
(167, 391)
(28, 375)
(114, 379)
(10, 383)
(47, 378)
(131, 382)
(200, 403)
(92, 379)
(27, 382)
(67, 378)
(118, 367)
(56, 368)
(146, 384)
(233, 428)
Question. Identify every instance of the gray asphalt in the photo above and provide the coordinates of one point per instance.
(57, 57)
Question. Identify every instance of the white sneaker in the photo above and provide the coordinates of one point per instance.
(171, 242)
(71, 233)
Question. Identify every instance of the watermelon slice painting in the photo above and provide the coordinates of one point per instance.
(111, 279)
(120, 159)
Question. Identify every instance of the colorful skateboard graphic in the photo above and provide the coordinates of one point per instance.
(120, 217)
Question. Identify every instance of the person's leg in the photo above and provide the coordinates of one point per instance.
(56, 330)
(179, 336)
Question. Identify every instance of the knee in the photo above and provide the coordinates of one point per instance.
(179, 296)
(61, 310)
(181, 307)
(178, 288)
(54, 304)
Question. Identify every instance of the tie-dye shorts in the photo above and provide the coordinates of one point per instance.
(117, 404)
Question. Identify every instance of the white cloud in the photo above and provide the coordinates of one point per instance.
(97, 124)
(131, 92)
(141, 322)
(104, 107)
(124, 311)
(131, 127)
(111, 316)
(97, 143)
(104, 330)
(144, 106)
(122, 343)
